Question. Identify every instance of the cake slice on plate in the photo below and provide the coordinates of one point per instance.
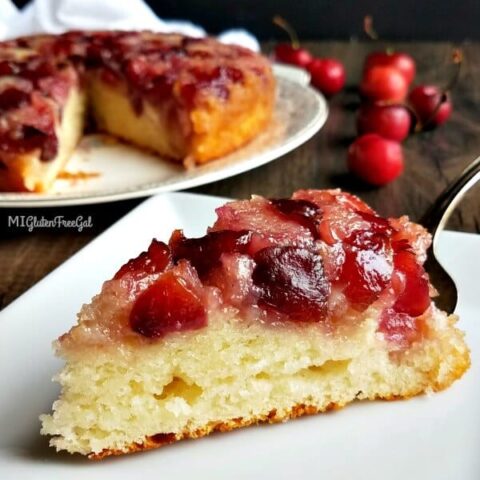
(284, 308)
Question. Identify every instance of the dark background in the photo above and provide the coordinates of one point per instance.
(333, 19)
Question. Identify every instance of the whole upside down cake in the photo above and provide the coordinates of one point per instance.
(188, 99)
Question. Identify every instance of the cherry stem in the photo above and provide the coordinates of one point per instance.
(372, 33)
(457, 59)
(368, 28)
(283, 24)
(418, 124)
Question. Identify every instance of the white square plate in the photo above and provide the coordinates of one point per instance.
(431, 437)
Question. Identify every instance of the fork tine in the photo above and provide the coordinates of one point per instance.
(437, 215)
(434, 220)
(447, 290)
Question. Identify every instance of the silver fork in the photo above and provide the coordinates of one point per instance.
(435, 220)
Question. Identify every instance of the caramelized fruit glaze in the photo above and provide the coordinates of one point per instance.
(311, 258)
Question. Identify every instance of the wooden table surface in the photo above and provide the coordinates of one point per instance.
(433, 159)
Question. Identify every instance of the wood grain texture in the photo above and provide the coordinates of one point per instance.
(433, 159)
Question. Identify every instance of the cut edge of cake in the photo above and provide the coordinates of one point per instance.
(27, 171)
(192, 136)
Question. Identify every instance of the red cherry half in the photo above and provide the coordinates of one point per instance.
(432, 106)
(415, 298)
(384, 84)
(328, 75)
(167, 306)
(155, 260)
(403, 62)
(375, 159)
(389, 121)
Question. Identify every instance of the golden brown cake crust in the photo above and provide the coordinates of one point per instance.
(157, 441)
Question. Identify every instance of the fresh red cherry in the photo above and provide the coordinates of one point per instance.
(328, 75)
(384, 84)
(389, 121)
(432, 106)
(286, 53)
(291, 52)
(375, 159)
(403, 62)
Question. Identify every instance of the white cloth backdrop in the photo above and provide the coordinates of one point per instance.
(56, 16)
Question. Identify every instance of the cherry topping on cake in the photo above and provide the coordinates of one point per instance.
(292, 281)
(27, 138)
(415, 297)
(48, 144)
(400, 324)
(301, 211)
(233, 276)
(155, 260)
(310, 258)
(167, 306)
(399, 328)
(339, 213)
(12, 98)
(37, 69)
(216, 81)
(8, 67)
(367, 268)
(265, 220)
(204, 253)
